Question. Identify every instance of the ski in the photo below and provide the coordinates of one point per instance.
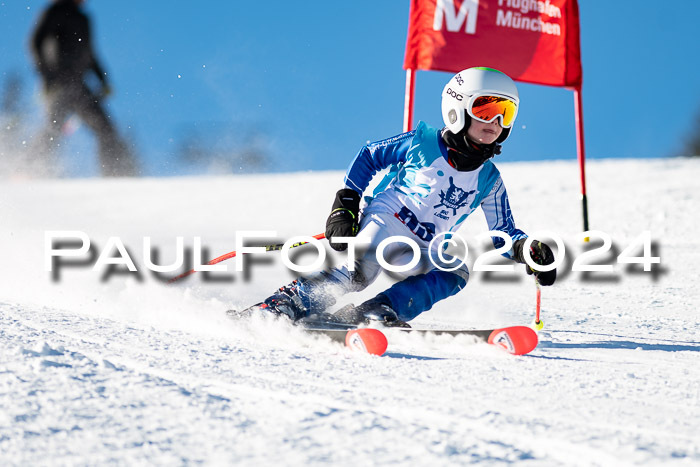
(516, 340)
(369, 340)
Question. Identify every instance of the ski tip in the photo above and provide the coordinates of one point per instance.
(372, 341)
(517, 340)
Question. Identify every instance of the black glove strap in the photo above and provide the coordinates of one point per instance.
(347, 199)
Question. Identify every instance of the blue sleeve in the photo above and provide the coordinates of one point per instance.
(375, 157)
(499, 216)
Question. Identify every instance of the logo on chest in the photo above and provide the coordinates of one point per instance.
(453, 198)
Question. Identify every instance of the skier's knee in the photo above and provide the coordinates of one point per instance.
(417, 294)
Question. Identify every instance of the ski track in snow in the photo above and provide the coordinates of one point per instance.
(134, 372)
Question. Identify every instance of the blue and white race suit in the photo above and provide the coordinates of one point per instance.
(421, 196)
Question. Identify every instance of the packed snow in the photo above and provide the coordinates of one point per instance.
(106, 366)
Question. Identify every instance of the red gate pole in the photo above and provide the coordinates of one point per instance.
(581, 152)
(408, 100)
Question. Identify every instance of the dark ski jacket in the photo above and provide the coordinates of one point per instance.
(62, 47)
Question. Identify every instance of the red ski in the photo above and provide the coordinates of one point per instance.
(516, 340)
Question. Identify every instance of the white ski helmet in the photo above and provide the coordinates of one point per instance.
(459, 91)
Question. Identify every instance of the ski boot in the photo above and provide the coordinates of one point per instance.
(285, 302)
(375, 310)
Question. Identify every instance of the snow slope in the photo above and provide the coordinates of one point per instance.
(129, 370)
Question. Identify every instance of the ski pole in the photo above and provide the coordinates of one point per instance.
(538, 324)
(232, 254)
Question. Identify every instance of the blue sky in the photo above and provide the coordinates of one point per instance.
(319, 79)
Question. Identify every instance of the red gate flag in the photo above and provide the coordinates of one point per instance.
(531, 41)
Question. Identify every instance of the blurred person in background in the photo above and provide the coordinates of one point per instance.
(61, 46)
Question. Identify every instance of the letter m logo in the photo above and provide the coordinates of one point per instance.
(446, 12)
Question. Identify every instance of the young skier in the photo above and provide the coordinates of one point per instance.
(437, 178)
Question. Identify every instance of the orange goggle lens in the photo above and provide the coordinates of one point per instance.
(487, 108)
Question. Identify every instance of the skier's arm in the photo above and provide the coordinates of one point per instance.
(344, 220)
(40, 33)
(375, 157)
(95, 64)
(99, 71)
(499, 217)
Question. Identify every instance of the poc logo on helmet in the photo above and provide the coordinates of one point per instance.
(454, 94)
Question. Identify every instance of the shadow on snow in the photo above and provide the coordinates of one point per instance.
(630, 345)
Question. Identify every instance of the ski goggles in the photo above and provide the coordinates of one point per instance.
(488, 107)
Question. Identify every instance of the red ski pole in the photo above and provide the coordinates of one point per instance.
(232, 254)
(538, 324)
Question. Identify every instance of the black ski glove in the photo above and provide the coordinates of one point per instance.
(344, 218)
(541, 254)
